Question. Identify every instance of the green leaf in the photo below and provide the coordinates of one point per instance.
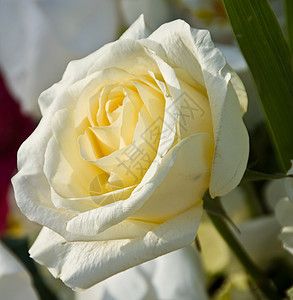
(289, 21)
(251, 175)
(267, 54)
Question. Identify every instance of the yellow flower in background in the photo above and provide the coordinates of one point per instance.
(131, 138)
(237, 288)
(258, 235)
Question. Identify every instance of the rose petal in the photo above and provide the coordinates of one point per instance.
(185, 183)
(178, 44)
(58, 170)
(152, 99)
(82, 264)
(122, 164)
(174, 172)
(234, 57)
(138, 30)
(77, 205)
(231, 142)
(193, 50)
(67, 144)
(89, 148)
(129, 55)
(31, 188)
(195, 114)
(176, 275)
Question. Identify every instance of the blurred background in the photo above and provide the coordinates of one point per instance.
(37, 40)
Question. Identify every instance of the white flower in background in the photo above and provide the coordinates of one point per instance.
(273, 192)
(130, 102)
(39, 38)
(15, 282)
(284, 213)
(177, 275)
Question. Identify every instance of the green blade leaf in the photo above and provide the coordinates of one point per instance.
(267, 54)
(289, 21)
(251, 175)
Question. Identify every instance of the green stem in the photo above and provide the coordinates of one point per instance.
(264, 284)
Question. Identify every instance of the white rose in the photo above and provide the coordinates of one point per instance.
(130, 140)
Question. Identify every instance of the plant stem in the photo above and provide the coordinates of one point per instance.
(264, 283)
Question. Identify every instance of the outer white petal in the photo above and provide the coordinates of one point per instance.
(194, 51)
(82, 264)
(15, 282)
(177, 275)
(231, 139)
(129, 284)
(234, 57)
(138, 30)
(179, 47)
(31, 188)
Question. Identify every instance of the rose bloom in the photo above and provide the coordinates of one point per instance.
(130, 140)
